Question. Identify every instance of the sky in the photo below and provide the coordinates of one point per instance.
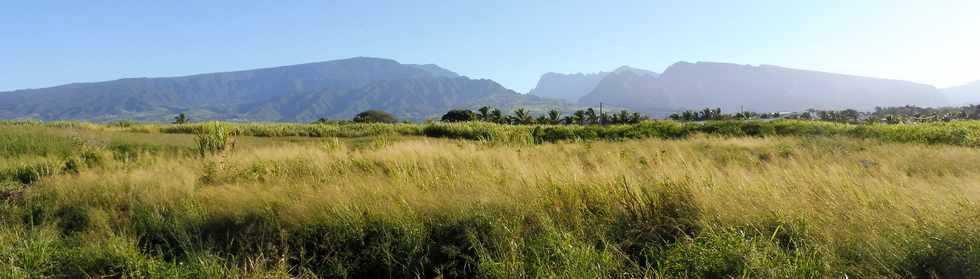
(45, 43)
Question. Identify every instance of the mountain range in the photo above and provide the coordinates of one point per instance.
(569, 87)
(964, 94)
(334, 89)
(340, 89)
(734, 87)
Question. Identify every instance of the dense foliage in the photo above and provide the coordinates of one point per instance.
(459, 115)
(884, 115)
(181, 119)
(523, 116)
(374, 116)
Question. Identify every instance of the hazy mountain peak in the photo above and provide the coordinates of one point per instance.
(964, 94)
(435, 70)
(569, 87)
(363, 59)
(975, 84)
(731, 87)
(637, 71)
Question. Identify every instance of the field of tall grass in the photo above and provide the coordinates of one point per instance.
(963, 133)
(783, 199)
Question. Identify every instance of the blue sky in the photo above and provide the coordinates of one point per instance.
(45, 43)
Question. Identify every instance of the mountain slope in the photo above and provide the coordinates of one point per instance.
(964, 94)
(625, 87)
(232, 95)
(569, 87)
(414, 99)
(572, 87)
(636, 71)
(760, 88)
(435, 70)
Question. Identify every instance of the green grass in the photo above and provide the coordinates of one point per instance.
(963, 133)
(783, 199)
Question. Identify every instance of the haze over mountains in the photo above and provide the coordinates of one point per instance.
(964, 94)
(760, 88)
(335, 89)
(341, 88)
(569, 87)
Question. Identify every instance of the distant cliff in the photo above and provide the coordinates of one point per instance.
(569, 87)
(759, 88)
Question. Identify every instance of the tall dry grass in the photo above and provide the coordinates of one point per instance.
(699, 207)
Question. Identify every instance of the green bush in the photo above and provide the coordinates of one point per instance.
(31, 172)
(213, 138)
(375, 116)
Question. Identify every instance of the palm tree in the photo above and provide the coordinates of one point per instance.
(496, 116)
(624, 117)
(542, 119)
(590, 116)
(522, 116)
(182, 119)
(554, 116)
(484, 114)
(579, 117)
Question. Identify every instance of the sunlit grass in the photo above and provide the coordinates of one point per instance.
(825, 205)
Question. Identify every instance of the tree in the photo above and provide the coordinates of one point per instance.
(590, 116)
(522, 116)
(635, 117)
(554, 117)
(850, 115)
(182, 119)
(375, 116)
(484, 114)
(577, 118)
(459, 115)
(622, 117)
(496, 116)
(542, 119)
(489, 114)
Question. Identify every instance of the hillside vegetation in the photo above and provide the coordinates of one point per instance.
(336, 89)
(784, 199)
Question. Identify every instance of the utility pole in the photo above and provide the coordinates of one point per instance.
(600, 114)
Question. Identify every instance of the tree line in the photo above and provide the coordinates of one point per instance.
(895, 115)
(589, 116)
(519, 116)
(715, 114)
(885, 115)
(522, 116)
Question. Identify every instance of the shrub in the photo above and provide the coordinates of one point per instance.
(213, 138)
(181, 119)
(459, 115)
(654, 218)
(375, 116)
(29, 173)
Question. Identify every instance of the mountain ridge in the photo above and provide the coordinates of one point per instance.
(573, 86)
(732, 87)
(966, 94)
(567, 87)
(339, 88)
(218, 95)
